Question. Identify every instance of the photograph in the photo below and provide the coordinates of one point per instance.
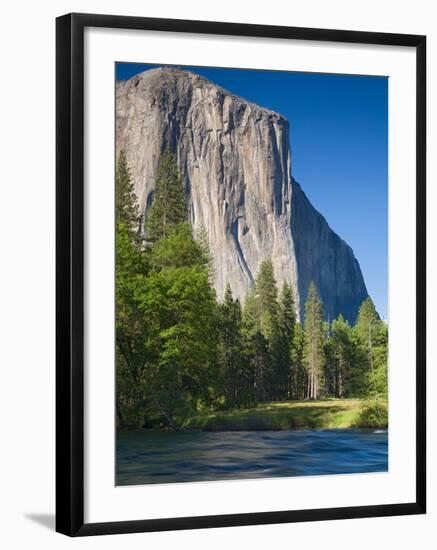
(251, 258)
(217, 270)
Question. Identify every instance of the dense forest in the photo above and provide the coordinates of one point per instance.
(180, 351)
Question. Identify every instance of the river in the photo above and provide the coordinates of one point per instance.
(146, 456)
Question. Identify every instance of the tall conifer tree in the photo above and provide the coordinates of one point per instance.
(266, 293)
(230, 351)
(286, 323)
(366, 328)
(314, 342)
(131, 262)
(168, 208)
(298, 372)
(262, 316)
(371, 334)
(126, 205)
(256, 353)
(341, 356)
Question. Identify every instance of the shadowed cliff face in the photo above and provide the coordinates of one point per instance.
(234, 158)
(323, 257)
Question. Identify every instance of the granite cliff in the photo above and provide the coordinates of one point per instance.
(235, 162)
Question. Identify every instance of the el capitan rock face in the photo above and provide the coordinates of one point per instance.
(234, 158)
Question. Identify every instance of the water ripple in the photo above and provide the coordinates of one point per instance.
(145, 456)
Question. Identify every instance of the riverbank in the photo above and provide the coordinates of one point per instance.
(288, 415)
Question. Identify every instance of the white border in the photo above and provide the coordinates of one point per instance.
(103, 501)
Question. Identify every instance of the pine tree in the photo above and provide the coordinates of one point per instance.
(262, 331)
(166, 316)
(266, 293)
(298, 372)
(286, 323)
(378, 379)
(126, 205)
(366, 328)
(371, 335)
(168, 208)
(287, 311)
(341, 356)
(179, 303)
(261, 366)
(131, 263)
(202, 239)
(314, 342)
(230, 351)
(255, 353)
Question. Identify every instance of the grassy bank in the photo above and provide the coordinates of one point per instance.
(286, 415)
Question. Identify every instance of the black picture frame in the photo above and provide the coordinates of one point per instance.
(70, 273)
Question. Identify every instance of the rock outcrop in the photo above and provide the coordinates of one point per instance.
(234, 158)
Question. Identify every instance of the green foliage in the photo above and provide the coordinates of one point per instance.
(180, 306)
(374, 414)
(371, 345)
(284, 344)
(314, 354)
(266, 293)
(180, 353)
(202, 240)
(126, 206)
(286, 415)
(237, 380)
(166, 325)
(262, 335)
(339, 358)
(298, 374)
(367, 320)
(131, 331)
(178, 249)
(168, 209)
(287, 312)
(378, 377)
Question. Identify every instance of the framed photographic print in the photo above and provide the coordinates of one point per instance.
(240, 274)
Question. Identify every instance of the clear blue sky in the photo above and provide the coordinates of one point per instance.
(339, 147)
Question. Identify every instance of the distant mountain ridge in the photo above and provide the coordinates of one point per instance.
(235, 162)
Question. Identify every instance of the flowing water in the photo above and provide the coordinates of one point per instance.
(146, 456)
